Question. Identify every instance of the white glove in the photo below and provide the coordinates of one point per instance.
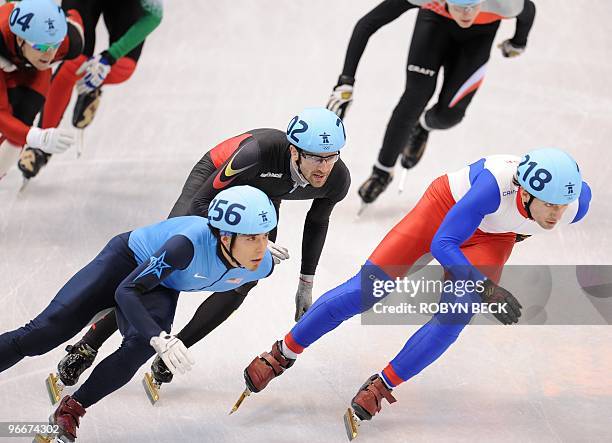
(6, 65)
(95, 69)
(303, 297)
(510, 50)
(340, 100)
(52, 140)
(173, 352)
(278, 252)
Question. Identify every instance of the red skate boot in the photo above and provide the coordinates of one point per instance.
(262, 370)
(366, 403)
(67, 416)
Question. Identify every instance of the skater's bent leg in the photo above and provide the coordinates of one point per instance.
(334, 307)
(88, 292)
(115, 370)
(101, 331)
(121, 71)
(60, 92)
(430, 341)
(118, 368)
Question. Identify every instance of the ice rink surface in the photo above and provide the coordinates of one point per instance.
(215, 69)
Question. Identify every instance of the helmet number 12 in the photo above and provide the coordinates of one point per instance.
(540, 177)
(231, 213)
(292, 131)
(23, 21)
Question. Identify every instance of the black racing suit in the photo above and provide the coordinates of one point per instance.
(262, 158)
(437, 41)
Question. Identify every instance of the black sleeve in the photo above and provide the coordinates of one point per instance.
(211, 313)
(524, 22)
(239, 169)
(317, 222)
(176, 253)
(378, 17)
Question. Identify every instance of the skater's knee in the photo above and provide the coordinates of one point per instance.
(68, 69)
(135, 351)
(121, 71)
(444, 118)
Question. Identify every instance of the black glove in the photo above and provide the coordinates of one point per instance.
(509, 309)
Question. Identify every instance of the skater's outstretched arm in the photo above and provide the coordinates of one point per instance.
(461, 222)
(175, 254)
(317, 218)
(524, 22)
(138, 32)
(378, 17)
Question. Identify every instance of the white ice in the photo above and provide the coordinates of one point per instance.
(215, 69)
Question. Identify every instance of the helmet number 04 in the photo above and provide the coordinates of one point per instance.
(540, 176)
(231, 213)
(23, 21)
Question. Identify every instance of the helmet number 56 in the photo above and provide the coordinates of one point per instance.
(231, 213)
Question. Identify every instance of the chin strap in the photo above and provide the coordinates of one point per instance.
(296, 174)
(527, 206)
(21, 57)
(229, 251)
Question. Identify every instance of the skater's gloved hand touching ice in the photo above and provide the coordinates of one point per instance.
(173, 352)
(94, 72)
(303, 297)
(278, 252)
(509, 309)
(51, 140)
(6, 65)
(509, 49)
(342, 96)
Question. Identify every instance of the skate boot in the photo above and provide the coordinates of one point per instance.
(85, 108)
(415, 147)
(80, 357)
(374, 186)
(366, 403)
(66, 417)
(31, 161)
(152, 382)
(262, 370)
(413, 151)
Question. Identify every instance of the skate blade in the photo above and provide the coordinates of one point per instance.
(151, 387)
(402, 181)
(54, 388)
(362, 208)
(351, 424)
(24, 185)
(244, 395)
(80, 142)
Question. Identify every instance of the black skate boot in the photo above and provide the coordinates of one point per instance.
(415, 147)
(31, 161)
(85, 108)
(80, 357)
(375, 185)
(152, 382)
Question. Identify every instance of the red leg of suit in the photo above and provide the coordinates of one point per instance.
(66, 78)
